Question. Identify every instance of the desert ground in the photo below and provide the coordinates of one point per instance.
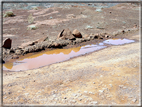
(110, 76)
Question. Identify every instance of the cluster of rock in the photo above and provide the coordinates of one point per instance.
(64, 38)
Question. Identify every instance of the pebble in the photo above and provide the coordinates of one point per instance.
(5, 97)
(101, 75)
(101, 91)
(26, 94)
(54, 95)
(73, 101)
(110, 85)
(134, 100)
(90, 92)
(86, 92)
(94, 102)
(9, 85)
(9, 92)
(93, 82)
(65, 97)
(74, 95)
(121, 86)
(78, 91)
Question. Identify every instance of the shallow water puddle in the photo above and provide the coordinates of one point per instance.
(58, 55)
(118, 41)
(49, 57)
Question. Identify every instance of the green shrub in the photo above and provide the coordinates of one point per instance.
(30, 19)
(32, 27)
(8, 14)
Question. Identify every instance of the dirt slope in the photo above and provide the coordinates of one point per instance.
(109, 76)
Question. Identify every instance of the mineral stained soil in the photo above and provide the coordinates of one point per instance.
(109, 76)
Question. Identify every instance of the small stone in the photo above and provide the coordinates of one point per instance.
(73, 101)
(90, 92)
(134, 100)
(86, 92)
(93, 82)
(15, 57)
(26, 94)
(18, 52)
(5, 97)
(65, 97)
(9, 85)
(121, 86)
(101, 75)
(74, 95)
(110, 85)
(9, 92)
(94, 102)
(101, 91)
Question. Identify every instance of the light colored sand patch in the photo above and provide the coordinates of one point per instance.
(41, 12)
(50, 22)
(8, 35)
(56, 21)
(46, 14)
(15, 19)
(75, 16)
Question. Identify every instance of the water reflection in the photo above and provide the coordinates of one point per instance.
(118, 41)
(49, 57)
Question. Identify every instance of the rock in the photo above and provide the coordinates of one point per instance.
(30, 43)
(85, 91)
(94, 102)
(79, 40)
(77, 34)
(42, 39)
(7, 43)
(134, 100)
(86, 35)
(66, 34)
(55, 45)
(106, 36)
(74, 95)
(15, 57)
(18, 52)
(12, 50)
(3, 61)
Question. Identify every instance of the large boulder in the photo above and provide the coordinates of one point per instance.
(7, 43)
(66, 34)
(77, 34)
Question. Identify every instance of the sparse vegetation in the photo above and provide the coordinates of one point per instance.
(35, 8)
(30, 19)
(8, 14)
(31, 27)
